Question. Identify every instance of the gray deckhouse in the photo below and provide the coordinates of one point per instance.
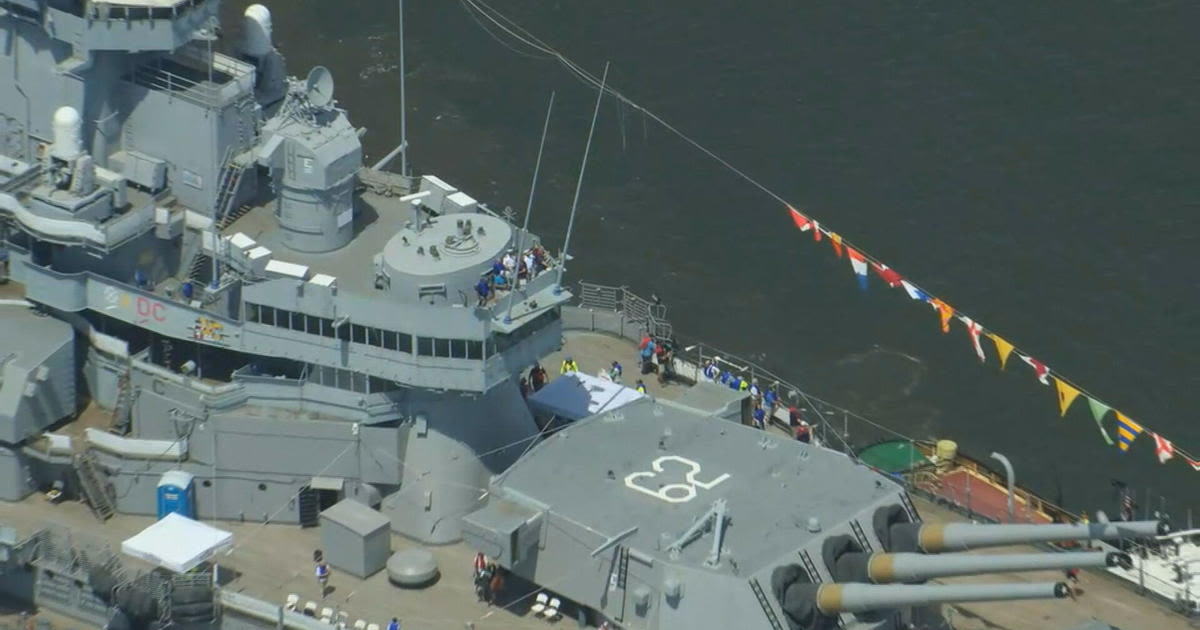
(257, 307)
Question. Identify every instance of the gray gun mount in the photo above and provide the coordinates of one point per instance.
(832, 599)
(816, 606)
(883, 568)
(934, 538)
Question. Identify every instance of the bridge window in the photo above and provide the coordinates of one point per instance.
(367, 335)
(377, 385)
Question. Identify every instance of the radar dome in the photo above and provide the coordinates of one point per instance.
(68, 131)
(256, 23)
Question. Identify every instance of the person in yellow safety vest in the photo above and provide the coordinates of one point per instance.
(568, 365)
(744, 386)
(641, 387)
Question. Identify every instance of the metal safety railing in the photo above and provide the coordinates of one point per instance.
(650, 314)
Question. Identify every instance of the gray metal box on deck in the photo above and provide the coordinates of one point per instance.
(355, 538)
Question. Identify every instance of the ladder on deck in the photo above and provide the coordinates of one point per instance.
(811, 569)
(95, 489)
(766, 604)
(861, 536)
(622, 577)
(123, 409)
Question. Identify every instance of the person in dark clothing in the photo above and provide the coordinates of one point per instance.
(496, 585)
(524, 385)
(537, 377)
(483, 289)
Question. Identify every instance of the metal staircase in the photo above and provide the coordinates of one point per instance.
(201, 263)
(122, 415)
(91, 482)
(309, 508)
(228, 183)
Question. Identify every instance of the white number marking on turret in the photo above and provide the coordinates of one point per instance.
(673, 492)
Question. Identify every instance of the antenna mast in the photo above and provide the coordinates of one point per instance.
(579, 184)
(403, 110)
(529, 209)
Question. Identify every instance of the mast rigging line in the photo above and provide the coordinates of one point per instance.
(519, 33)
(516, 31)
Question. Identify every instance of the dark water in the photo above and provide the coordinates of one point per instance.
(1034, 166)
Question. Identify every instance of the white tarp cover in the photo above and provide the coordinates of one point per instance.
(177, 543)
(574, 396)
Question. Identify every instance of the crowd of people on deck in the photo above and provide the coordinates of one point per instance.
(511, 270)
(765, 401)
(656, 355)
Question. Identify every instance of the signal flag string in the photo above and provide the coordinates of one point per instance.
(1066, 389)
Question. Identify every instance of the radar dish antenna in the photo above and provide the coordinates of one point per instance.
(319, 87)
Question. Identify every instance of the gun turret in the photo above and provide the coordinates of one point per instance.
(933, 538)
(832, 599)
(883, 568)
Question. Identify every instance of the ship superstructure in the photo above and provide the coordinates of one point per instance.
(258, 308)
(217, 290)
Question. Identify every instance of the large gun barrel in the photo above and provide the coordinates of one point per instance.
(937, 537)
(837, 598)
(883, 568)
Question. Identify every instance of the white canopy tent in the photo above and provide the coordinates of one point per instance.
(574, 396)
(177, 543)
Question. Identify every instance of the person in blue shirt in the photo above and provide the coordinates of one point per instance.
(710, 371)
(394, 625)
(483, 290)
(735, 383)
(724, 378)
(615, 371)
(760, 418)
(647, 356)
(771, 400)
(323, 577)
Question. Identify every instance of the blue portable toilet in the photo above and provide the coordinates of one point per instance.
(177, 493)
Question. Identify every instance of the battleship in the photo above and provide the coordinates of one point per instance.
(213, 308)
